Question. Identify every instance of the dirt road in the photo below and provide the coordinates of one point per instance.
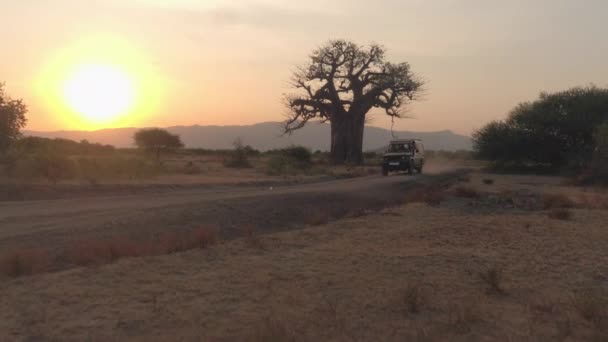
(49, 221)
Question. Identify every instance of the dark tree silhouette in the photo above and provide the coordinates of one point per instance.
(157, 140)
(342, 83)
(12, 119)
(556, 130)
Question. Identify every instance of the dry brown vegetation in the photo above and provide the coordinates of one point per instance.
(416, 272)
(19, 263)
(493, 279)
(558, 201)
(432, 195)
(466, 192)
(560, 214)
(95, 252)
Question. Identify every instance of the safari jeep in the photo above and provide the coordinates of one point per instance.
(403, 155)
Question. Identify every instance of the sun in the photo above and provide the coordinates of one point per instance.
(101, 81)
(100, 93)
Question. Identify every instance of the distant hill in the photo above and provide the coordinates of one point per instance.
(264, 136)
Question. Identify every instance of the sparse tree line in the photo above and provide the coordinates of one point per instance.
(343, 84)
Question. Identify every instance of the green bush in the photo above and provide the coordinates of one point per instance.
(290, 160)
(239, 157)
(48, 165)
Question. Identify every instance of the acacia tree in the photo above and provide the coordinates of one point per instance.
(12, 119)
(340, 85)
(157, 140)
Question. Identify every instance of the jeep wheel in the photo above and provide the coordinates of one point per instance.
(410, 169)
(384, 171)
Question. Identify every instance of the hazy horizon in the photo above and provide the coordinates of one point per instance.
(212, 63)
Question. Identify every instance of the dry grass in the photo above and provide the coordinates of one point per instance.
(317, 217)
(431, 195)
(414, 299)
(466, 192)
(493, 277)
(463, 317)
(557, 201)
(251, 236)
(95, 252)
(273, 330)
(591, 305)
(562, 214)
(359, 265)
(488, 181)
(24, 262)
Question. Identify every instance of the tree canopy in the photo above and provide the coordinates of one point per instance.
(157, 140)
(341, 84)
(12, 119)
(556, 130)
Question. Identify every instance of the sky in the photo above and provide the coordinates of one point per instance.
(219, 62)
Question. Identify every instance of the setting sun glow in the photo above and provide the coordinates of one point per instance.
(100, 93)
(100, 82)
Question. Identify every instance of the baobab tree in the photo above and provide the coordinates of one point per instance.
(340, 85)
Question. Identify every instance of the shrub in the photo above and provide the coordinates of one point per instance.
(251, 237)
(462, 318)
(204, 237)
(99, 252)
(49, 165)
(557, 201)
(278, 165)
(191, 169)
(432, 196)
(318, 217)
(413, 299)
(493, 278)
(289, 160)
(239, 157)
(560, 214)
(466, 192)
(299, 155)
(591, 304)
(25, 262)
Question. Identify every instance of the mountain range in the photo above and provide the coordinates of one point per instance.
(264, 136)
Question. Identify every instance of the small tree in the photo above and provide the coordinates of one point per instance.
(156, 140)
(12, 119)
(239, 158)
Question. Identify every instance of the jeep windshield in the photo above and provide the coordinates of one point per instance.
(400, 148)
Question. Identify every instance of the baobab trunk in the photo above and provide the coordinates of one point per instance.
(347, 139)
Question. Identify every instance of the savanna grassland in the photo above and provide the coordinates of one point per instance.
(487, 257)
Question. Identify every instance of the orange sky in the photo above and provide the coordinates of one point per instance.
(228, 62)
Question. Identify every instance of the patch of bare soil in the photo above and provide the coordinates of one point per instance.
(414, 272)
